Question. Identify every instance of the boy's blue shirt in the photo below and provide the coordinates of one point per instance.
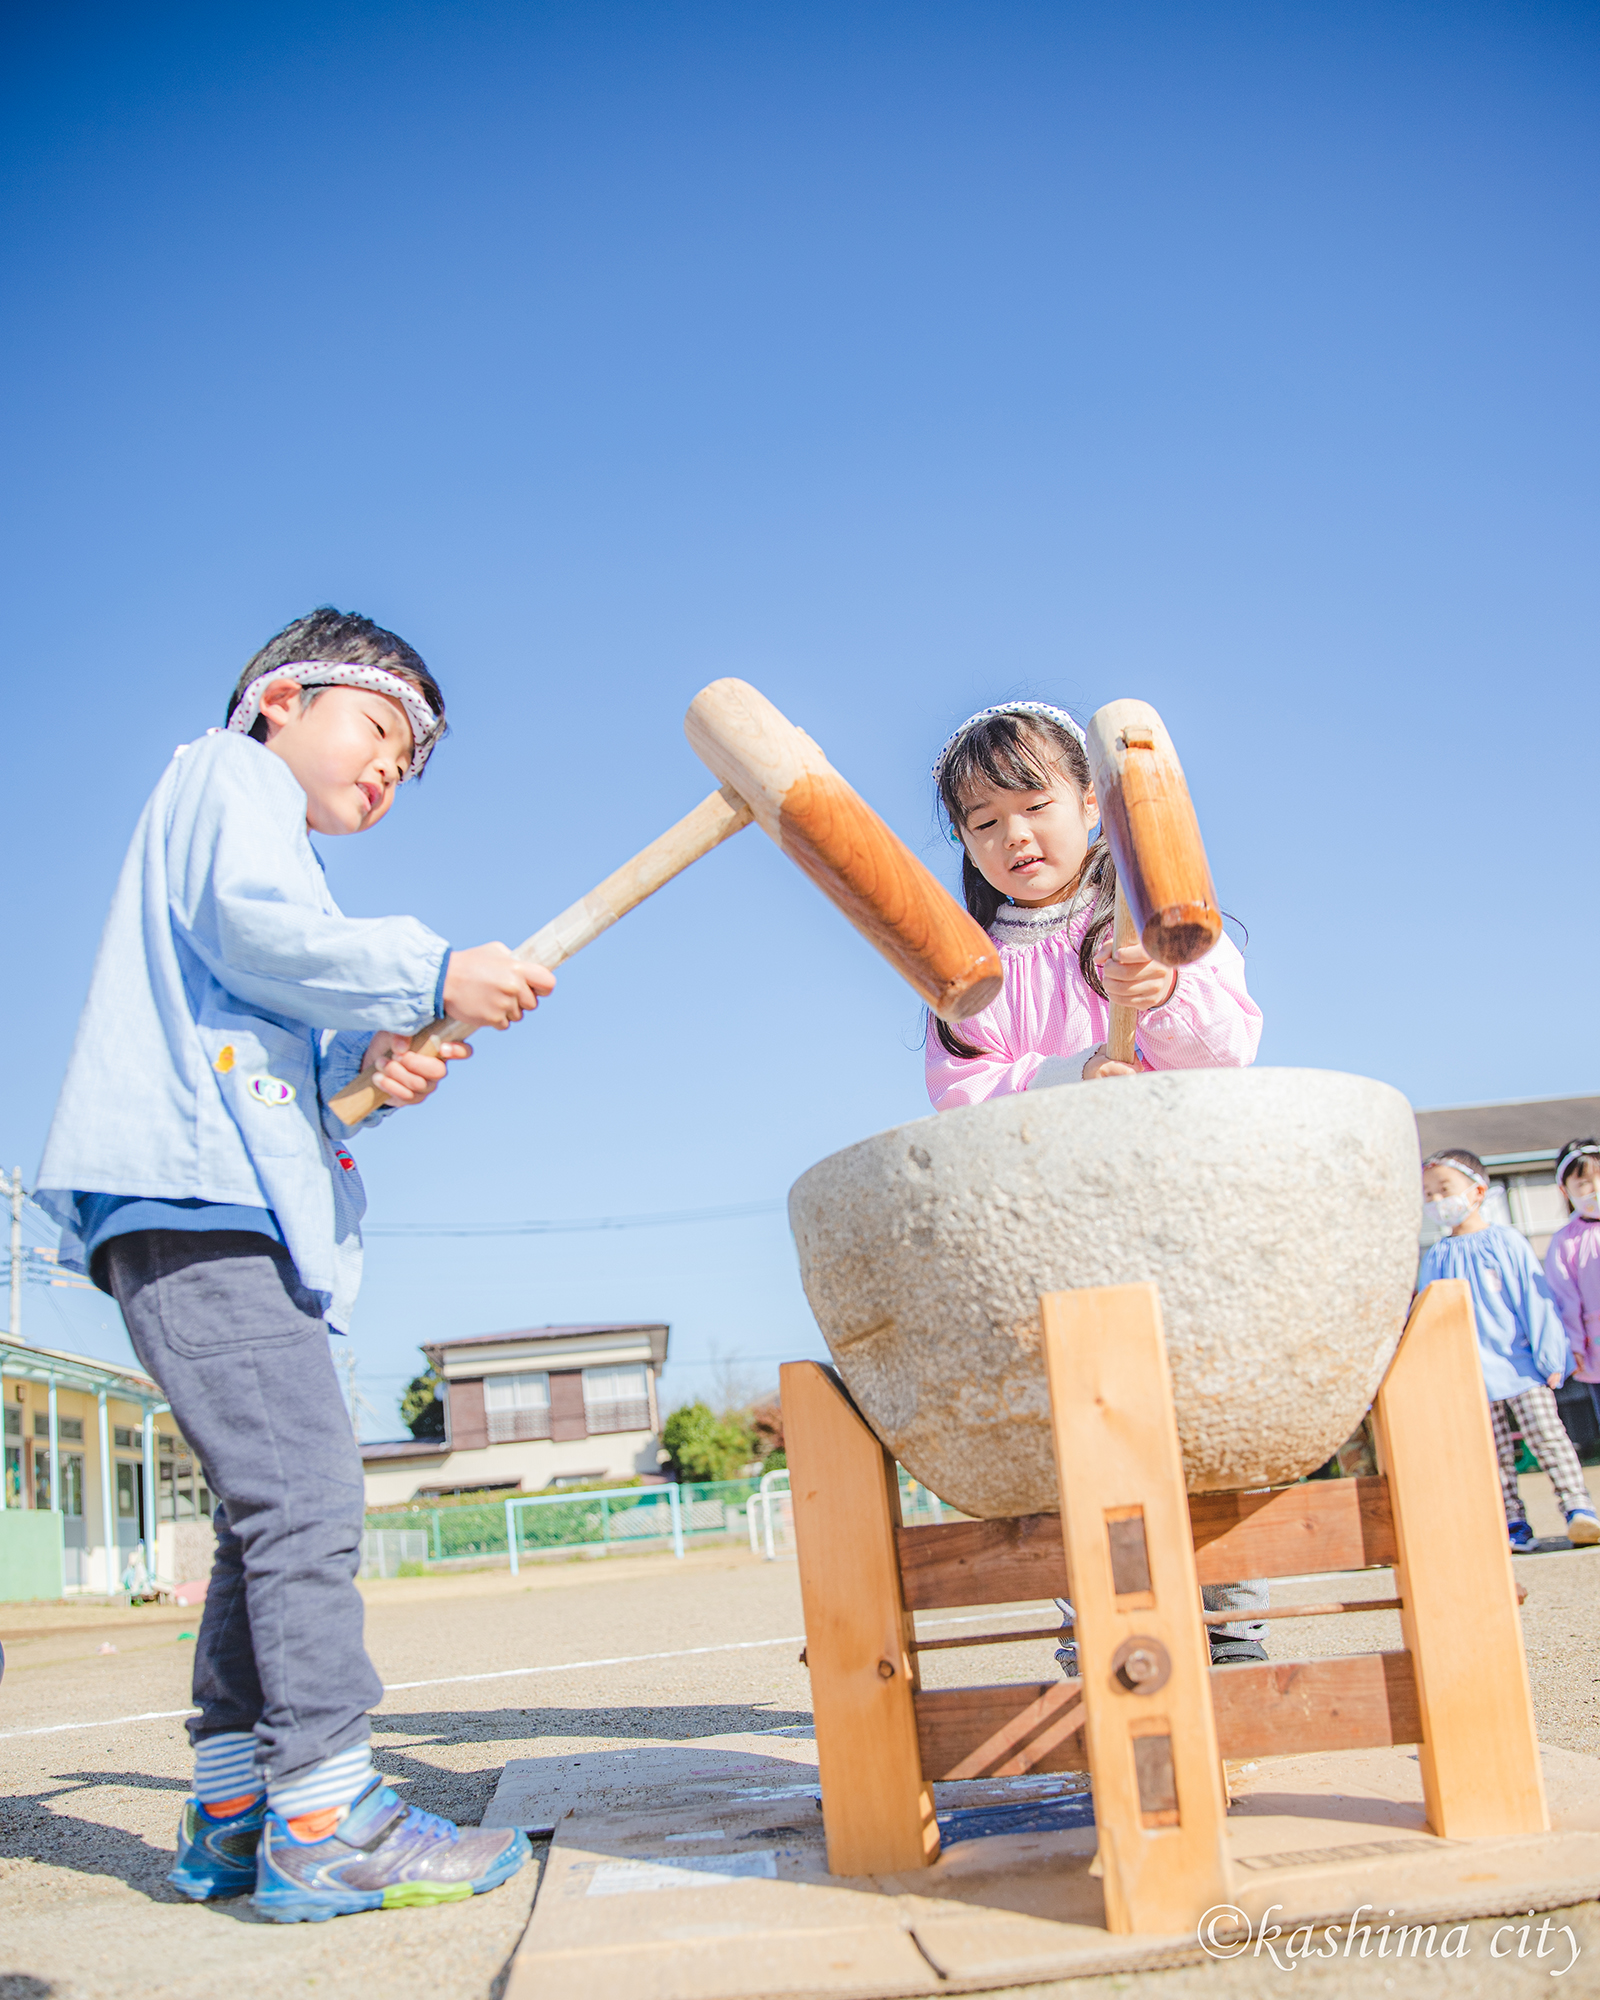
(230, 1000)
(1521, 1341)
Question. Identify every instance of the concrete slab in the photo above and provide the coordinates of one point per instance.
(701, 1875)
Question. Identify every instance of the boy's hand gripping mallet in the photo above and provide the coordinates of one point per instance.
(1165, 900)
(773, 773)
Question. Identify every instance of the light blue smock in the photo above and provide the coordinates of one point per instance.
(1521, 1341)
(230, 1000)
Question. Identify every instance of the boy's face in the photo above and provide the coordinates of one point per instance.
(348, 750)
(1442, 1183)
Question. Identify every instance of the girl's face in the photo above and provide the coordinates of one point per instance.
(1583, 1182)
(1029, 845)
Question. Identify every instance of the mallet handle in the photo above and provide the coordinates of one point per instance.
(834, 835)
(1124, 1020)
(711, 822)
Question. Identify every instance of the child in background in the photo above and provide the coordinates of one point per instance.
(1572, 1262)
(199, 1177)
(1018, 799)
(1521, 1344)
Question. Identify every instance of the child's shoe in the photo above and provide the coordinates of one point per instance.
(1522, 1538)
(378, 1854)
(217, 1848)
(1583, 1527)
(1235, 1652)
(1067, 1659)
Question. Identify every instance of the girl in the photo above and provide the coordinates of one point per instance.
(1572, 1263)
(1521, 1345)
(1016, 796)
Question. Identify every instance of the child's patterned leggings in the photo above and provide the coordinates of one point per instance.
(1546, 1436)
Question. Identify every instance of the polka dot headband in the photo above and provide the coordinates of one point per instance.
(346, 673)
(1044, 708)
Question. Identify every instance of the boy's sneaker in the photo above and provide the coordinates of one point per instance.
(378, 1854)
(217, 1849)
(1067, 1660)
(1235, 1652)
(1522, 1537)
(1583, 1527)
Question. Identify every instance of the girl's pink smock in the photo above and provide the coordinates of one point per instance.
(1572, 1270)
(1047, 1008)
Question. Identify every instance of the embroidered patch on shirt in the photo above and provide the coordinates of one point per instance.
(271, 1090)
(344, 1159)
(224, 1061)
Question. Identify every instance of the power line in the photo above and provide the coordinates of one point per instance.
(732, 1212)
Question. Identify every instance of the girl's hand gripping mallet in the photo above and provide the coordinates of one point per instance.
(775, 774)
(1165, 900)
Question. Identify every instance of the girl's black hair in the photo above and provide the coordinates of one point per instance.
(1579, 1150)
(327, 634)
(1022, 753)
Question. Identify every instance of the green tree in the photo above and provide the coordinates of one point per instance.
(705, 1446)
(422, 1407)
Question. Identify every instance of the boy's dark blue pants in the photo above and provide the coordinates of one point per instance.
(240, 1350)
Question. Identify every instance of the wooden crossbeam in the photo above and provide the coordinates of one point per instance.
(1364, 1701)
(1321, 1524)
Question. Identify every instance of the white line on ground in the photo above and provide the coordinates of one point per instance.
(617, 1660)
(510, 1673)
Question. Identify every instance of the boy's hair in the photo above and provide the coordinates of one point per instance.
(327, 634)
(1463, 1162)
(1022, 753)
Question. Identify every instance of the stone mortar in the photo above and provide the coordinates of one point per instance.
(1277, 1209)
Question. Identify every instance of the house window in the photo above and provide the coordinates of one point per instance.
(71, 1481)
(516, 1407)
(127, 1490)
(184, 1496)
(66, 1427)
(616, 1399)
(126, 1439)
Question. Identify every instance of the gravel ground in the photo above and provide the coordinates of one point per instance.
(87, 1813)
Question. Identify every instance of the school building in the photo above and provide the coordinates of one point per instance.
(544, 1406)
(94, 1470)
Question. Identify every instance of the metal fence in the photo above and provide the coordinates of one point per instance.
(393, 1551)
(606, 1519)
(769, 1514)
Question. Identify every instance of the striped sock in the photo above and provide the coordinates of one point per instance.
(225, 1771)
(323, 1789)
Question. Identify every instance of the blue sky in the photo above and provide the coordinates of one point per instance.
(896, 358)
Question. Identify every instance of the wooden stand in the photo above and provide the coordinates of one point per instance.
(1151, 1719)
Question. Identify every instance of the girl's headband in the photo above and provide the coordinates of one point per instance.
(1580, 1149)
(1044, 708)
(305, 674)
(1460, 1166)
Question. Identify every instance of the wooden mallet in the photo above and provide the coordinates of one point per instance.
(773, 773)
(1165, 900)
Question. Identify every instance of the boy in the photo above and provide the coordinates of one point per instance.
(1521, 1343)
(200, 1179)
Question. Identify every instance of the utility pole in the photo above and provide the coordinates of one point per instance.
(15, 1192)
(356, 1400)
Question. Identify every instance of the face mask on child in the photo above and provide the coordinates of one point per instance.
(1447, 1214)
(1587, 1205)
